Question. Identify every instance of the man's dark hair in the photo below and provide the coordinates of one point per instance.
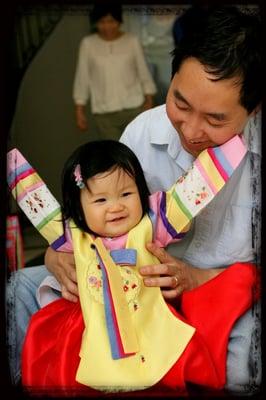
(228, 43)
(96, 157)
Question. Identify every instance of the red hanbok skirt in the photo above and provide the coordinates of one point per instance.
(50, 355)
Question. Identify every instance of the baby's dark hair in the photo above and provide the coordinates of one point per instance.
(96, 157)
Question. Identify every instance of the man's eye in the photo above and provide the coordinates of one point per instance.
(182, 107)
(214, 125)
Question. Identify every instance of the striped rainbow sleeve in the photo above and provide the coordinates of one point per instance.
(35, 199)
(194, 190)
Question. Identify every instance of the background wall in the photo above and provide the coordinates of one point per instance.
(154, 28)
(44, 127)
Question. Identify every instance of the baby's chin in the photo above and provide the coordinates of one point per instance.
(113, 235)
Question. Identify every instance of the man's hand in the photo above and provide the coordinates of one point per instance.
(62, 266)
(174, 274)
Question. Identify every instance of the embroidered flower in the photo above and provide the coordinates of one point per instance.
(131, 284)
(203, 195)
(95, 282)
(92, 279)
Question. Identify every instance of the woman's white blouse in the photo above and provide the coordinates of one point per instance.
(112, 74)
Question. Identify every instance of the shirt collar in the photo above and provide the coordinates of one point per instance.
(169, 137)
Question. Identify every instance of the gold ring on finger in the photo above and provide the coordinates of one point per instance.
(176, 282)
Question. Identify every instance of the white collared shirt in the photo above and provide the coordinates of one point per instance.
(222, 233)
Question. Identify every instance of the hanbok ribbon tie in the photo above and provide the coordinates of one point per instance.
(124, 256)
(121, 331)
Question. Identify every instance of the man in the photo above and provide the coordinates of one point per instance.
(214, 94)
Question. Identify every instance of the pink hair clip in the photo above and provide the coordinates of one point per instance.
(78, 177)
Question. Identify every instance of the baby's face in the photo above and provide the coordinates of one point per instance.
(112, 205)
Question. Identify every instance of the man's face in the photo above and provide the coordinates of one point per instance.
(205, 113)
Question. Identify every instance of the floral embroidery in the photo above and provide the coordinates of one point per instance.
(38, 199)
(38, 204)
(193, 191)
(131, 284)
(31, 205)
(201, 195)
(183, 177)
(94, 282)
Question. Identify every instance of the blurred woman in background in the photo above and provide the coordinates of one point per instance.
(111, 72)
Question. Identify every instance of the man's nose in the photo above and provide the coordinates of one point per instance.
(191, 128)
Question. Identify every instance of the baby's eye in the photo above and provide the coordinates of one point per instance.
(101, 200)
(125, 194)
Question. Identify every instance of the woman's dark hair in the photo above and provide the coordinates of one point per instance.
(96, 157)
(228, 43)
(101, 10)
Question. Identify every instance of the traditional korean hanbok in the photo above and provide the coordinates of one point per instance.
(121, 335)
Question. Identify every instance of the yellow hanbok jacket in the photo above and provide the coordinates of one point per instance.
(131, 338)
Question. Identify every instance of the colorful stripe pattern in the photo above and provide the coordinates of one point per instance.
(14, 243)
(121, 331)
(194, 190)
(170, 228)
(34, 198)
